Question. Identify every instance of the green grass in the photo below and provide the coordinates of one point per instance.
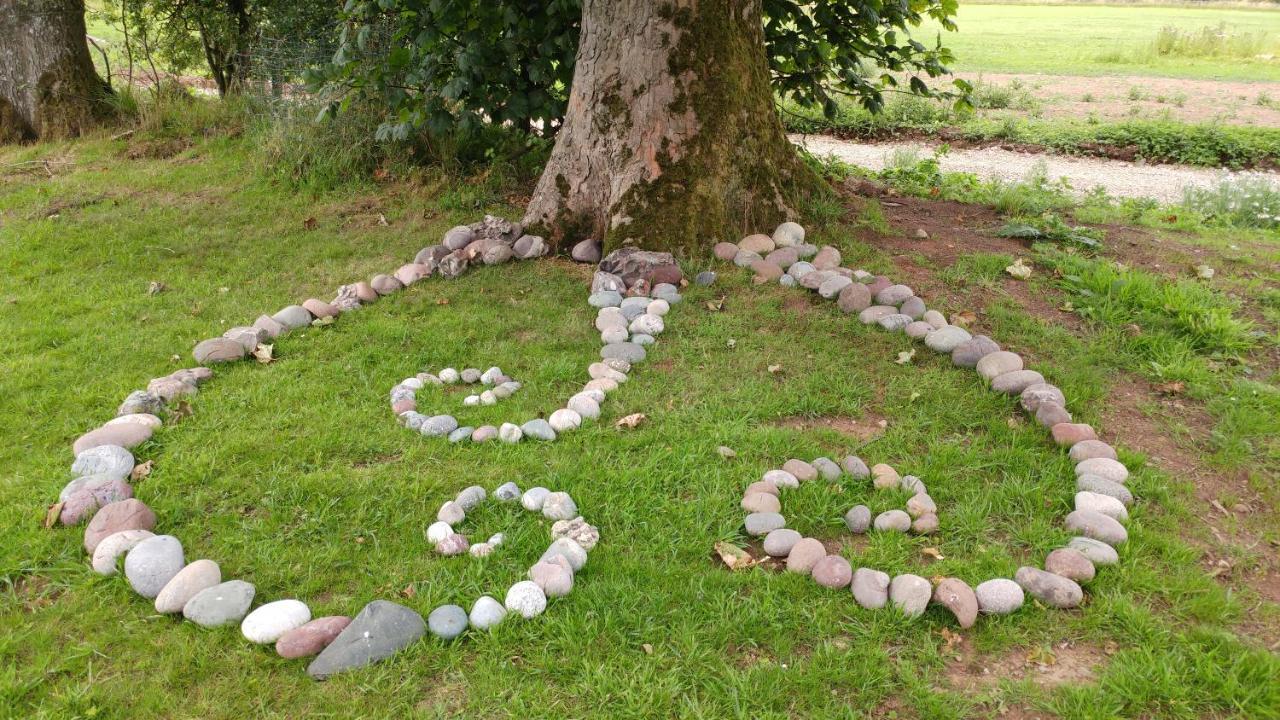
(1094, 39)
(295, 476)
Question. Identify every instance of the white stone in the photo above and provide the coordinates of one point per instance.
(564, 419)
(533, 498)
(449, 376)
(510, 433)
(267, 623)
(526, 598)
(115, 545)
(486, 613)
(438, 531)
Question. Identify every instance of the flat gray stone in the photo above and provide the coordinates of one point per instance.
(1094, 525)
(538, 429)
(631, 352)
(293, 317)
(104, 460)
(968, 353)
(600, 299)
(1013, 383)
(223, 604)
(947, 339)
(1103, 486)
(380, 630)
(778, 543)
(1098, 552)
(764, 523)
(910, 594)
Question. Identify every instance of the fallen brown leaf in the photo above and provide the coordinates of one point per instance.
(734, 557)
(51, 516)
(933, 553)
(648, 649)
(141, 471)
(631, 421)
(964, 318)
(409, 591)
(1175, 387)
(309, 223)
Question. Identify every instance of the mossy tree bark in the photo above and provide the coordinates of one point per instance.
(48, 85)
(670, 140)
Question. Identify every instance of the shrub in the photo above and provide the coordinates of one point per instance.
(1243, 200)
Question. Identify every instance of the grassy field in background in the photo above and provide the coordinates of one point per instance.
(1103, 40)
(295, 476)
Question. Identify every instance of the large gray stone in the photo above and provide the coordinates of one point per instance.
(1052, 590)
(152, 563)
(381, 629)
(631, 352)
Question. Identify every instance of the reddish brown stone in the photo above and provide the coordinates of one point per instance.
(309, 639)
(959, 598)
(320, 308)
(131, 514)
(1068, 434)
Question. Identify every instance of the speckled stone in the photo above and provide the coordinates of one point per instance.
(1051, 414)
(872, 315)
(1036, 395)
(759, 502)
(999, 596)
(152, 564)
(725, 251)
(827, 468)
(526, 599)
(781, 479)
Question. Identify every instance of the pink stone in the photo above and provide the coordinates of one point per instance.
(725, 251)
(403, 406)
(1068, 434)
(832, 571)
(84, 502)
(804, 555)
(366, 293)
(956, 596)
(131, 514)
(309, 639)
(319, 308)
(454, 544)
(125, 435)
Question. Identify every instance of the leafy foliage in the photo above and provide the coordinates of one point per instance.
(822, 49)
(439, 62)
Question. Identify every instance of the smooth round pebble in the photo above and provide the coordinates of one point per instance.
(267, 623)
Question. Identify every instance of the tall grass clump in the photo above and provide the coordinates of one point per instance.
(1243, 200)
(1209, 41)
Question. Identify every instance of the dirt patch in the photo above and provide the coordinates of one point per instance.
(155, 148)
(1063, 663)
(864, 429)
(36, 592)
(445, 696)
(376, 460)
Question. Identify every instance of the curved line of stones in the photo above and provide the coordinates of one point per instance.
(626, 324)
(1101, 500)
(120, 525)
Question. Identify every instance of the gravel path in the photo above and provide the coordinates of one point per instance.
(1122, 179)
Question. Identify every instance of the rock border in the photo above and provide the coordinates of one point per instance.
(1101, 499)
(155, 565)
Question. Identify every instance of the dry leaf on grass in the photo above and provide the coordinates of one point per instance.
(140, 471)
(156, 287)
(905, 356)
(631, 421)
(1019, 269)
(51, 516)
(734, 557)
(775, 369)
(326, 320)
(933, 553)
(717, 304)
(964, 318)
(263, 353)
(648, 649)
(409, 591)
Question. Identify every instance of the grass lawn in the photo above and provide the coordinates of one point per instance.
(1108, 40)
(295, 476)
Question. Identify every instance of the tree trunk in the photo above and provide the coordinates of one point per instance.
(670, 139)
(48, 85)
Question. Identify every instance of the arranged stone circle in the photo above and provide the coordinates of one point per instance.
(155, 566)
(1101, 497)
